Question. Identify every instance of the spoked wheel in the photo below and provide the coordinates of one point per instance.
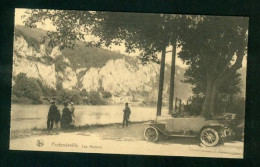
(151, 134)
(209, 137)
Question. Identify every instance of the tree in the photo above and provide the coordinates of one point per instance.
(214, 49)
(149, 33)
(27, 88)
(70, 25)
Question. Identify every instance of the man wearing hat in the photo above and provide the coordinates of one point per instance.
(127, 113)
(52, 115)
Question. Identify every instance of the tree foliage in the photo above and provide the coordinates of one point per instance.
(150, 33)
(69, 28)
(95, 98)
(30, 90)
(27, 88)
(214, 50)
(213, 47)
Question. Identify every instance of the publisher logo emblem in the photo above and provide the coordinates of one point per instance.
(39, 143)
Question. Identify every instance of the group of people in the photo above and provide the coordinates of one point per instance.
(65, 120)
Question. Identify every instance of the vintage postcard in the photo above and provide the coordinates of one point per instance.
(129, 83)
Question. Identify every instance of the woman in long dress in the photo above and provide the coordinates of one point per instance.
(66, 117)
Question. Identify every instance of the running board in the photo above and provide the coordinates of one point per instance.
(182, 135)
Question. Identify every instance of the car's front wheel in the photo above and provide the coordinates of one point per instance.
(151, 134)
(209, 137)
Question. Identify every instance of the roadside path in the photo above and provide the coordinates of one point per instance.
(114, 139)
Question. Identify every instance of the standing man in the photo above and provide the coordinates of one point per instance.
(127, 113)
(52, 114)
(72, 109)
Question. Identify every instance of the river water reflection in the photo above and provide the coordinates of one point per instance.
(35, 116)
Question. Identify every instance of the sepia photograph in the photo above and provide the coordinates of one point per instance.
(129, 83)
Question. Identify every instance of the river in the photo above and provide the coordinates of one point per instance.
(35, 116)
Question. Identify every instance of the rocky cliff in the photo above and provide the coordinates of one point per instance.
(125, 77)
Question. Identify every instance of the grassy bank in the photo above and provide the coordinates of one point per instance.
(23, 133)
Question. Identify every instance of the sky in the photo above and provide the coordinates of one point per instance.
(48, 26)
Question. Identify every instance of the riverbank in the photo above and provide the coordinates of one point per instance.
(23, 133)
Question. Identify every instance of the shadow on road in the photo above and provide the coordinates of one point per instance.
(179, 140)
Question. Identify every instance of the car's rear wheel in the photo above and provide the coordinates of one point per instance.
(151, 134)
(209, 137)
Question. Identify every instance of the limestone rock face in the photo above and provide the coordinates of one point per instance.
(125, 78)
(46, 73)
(32, 62)
(27, 60)
(120, 77)
(22, 48)
(90, 79)
(69, 78)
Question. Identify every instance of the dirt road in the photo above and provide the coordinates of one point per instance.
(117, 140)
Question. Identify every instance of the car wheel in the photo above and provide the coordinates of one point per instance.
(209, 137)
(151, 134)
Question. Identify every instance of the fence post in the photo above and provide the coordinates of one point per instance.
(180, 110)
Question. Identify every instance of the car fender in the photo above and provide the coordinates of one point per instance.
(212, 125)
(149, 123)
(154, 126)
(219, 127)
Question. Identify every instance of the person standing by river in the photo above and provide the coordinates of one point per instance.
(72, 109)
(66, 117)
(126, 116)
(52, 115)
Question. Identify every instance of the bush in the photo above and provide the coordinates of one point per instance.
(85, 101)
(83, 93)
(27, 88)
(22, 100)
(31, 89)
(95, 98)
(195, 106)
(106, 95)
(68, 96)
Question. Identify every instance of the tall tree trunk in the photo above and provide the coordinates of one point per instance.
(172, 78)
(214, 82)
(160, 92)
(210, 98)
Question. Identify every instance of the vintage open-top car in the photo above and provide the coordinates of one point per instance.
(210, 131)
